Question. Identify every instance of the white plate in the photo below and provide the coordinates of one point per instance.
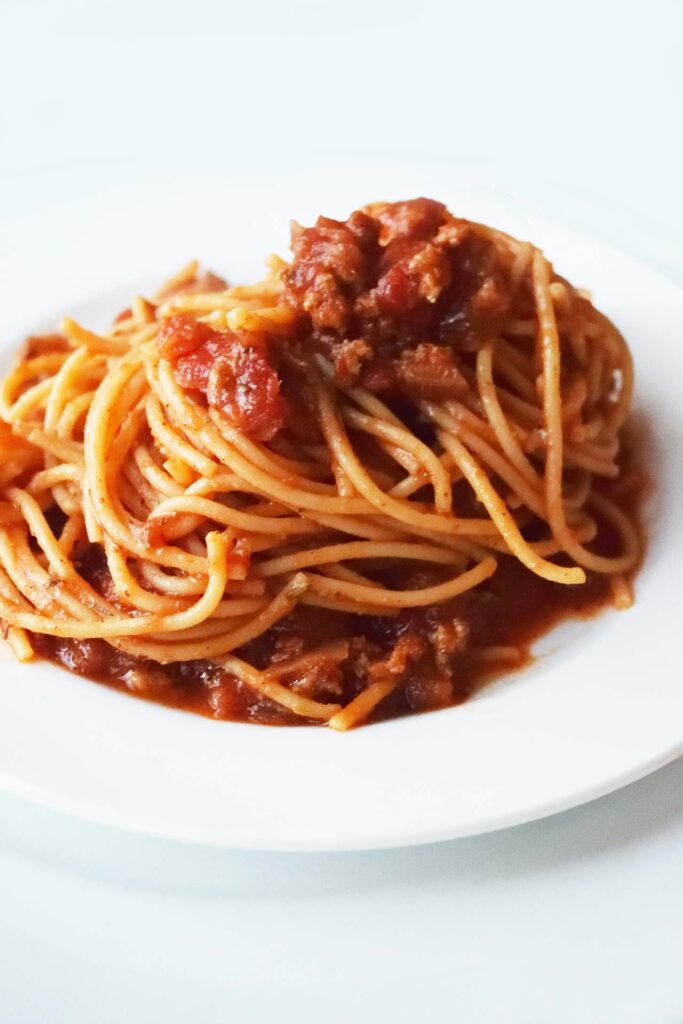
(602, 706)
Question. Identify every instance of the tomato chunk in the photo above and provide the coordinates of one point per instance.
(236, 376)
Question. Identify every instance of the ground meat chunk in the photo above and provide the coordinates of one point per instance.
(392, 278)
(332, 264)
(150, 682)
(380, 262)
(414, 219)
(227, 697)
(349, 360)
(430, 372)
(286, 648)
(379, 376)
(406, 651)
(448, 639)
(412, 273)
(321, 680)
(424, 647)
(492, 299)
(317, 674)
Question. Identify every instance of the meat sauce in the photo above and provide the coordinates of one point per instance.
(441, 645)
(481, 618)
(395, 296)
(398, 298)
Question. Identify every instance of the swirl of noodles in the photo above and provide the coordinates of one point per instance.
(214, 519)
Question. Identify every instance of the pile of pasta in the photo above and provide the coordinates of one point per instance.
(98, 427)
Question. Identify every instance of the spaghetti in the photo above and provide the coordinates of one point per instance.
(348, 491)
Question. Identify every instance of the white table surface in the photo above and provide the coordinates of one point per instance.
(575, 109)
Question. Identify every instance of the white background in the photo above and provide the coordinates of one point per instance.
(575, 109)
